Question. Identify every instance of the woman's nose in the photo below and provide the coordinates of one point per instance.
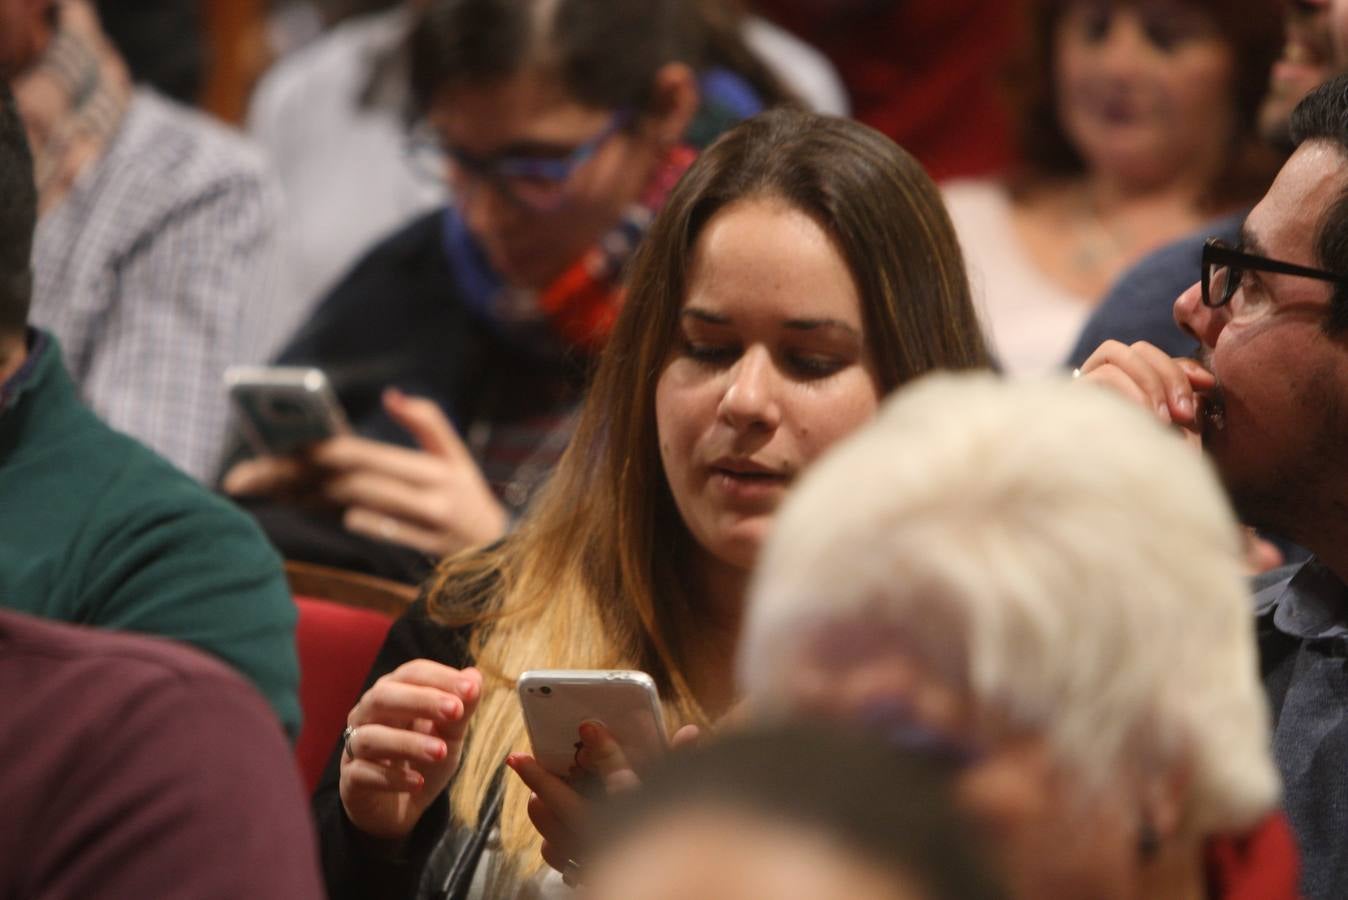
(751, 397)
(1124, 44)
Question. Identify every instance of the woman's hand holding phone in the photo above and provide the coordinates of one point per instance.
(405, 745)
(558, 810)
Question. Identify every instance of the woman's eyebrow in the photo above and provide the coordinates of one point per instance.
(817, 324)
(711, 318)
(703, 315)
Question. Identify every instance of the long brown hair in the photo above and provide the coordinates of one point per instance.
(595, 575)
(1252, 29)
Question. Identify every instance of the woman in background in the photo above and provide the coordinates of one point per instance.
(1138, 122)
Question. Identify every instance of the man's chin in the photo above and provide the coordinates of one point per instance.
(1256, 501)
(523, 271)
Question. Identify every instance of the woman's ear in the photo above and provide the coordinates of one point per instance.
(674, 102)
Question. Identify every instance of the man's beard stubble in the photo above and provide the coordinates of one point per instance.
(1291, 497)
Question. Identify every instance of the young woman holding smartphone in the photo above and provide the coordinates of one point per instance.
(802, 269)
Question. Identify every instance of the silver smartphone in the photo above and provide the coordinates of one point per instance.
(557, 701)
(283, 409)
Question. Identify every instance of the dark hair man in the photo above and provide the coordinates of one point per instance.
(1267, 397)
(18, 213)
(95, 528)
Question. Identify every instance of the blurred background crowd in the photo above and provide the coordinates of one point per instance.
(582, 289)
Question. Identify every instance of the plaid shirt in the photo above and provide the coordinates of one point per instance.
(158, 270)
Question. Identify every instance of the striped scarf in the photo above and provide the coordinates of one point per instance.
(576, 311)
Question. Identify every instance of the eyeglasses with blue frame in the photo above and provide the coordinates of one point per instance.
(537, 183)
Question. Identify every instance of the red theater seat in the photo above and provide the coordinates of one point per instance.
(337, 645)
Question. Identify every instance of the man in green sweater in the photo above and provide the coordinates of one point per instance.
(98, 530)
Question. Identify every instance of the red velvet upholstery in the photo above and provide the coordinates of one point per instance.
(337, 645)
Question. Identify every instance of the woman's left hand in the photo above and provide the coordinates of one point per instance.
(559, 811)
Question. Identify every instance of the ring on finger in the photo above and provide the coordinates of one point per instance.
(346, 742)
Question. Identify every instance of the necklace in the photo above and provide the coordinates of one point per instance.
(1098, 245)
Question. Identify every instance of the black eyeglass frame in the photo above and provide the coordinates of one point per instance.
(1217, 253)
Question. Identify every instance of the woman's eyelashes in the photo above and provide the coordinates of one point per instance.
(813, 365)
(1095, 22)
(1162, 36)
(1164, 29)
(711, 353)
(799, 363)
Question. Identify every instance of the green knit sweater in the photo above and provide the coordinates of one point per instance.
(96, 529)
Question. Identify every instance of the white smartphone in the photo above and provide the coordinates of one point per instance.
(557, 701)
(283, 409)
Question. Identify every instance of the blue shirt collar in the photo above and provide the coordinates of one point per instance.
(1311, 605)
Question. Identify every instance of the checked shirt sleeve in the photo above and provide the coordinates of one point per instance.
(194, 297)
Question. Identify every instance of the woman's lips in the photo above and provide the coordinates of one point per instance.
(1114, 108)
(1117, 113)
(748, 486)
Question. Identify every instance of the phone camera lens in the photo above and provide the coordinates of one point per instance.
(545, 690)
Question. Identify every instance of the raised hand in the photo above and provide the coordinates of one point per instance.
(433, 499)
(1172, 388)
(406, 744)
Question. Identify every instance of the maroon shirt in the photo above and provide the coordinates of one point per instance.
(136, 767)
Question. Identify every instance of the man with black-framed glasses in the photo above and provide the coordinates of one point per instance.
(1268, 397)
(1226, 269)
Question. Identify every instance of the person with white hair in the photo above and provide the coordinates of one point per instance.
(1045, 587)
